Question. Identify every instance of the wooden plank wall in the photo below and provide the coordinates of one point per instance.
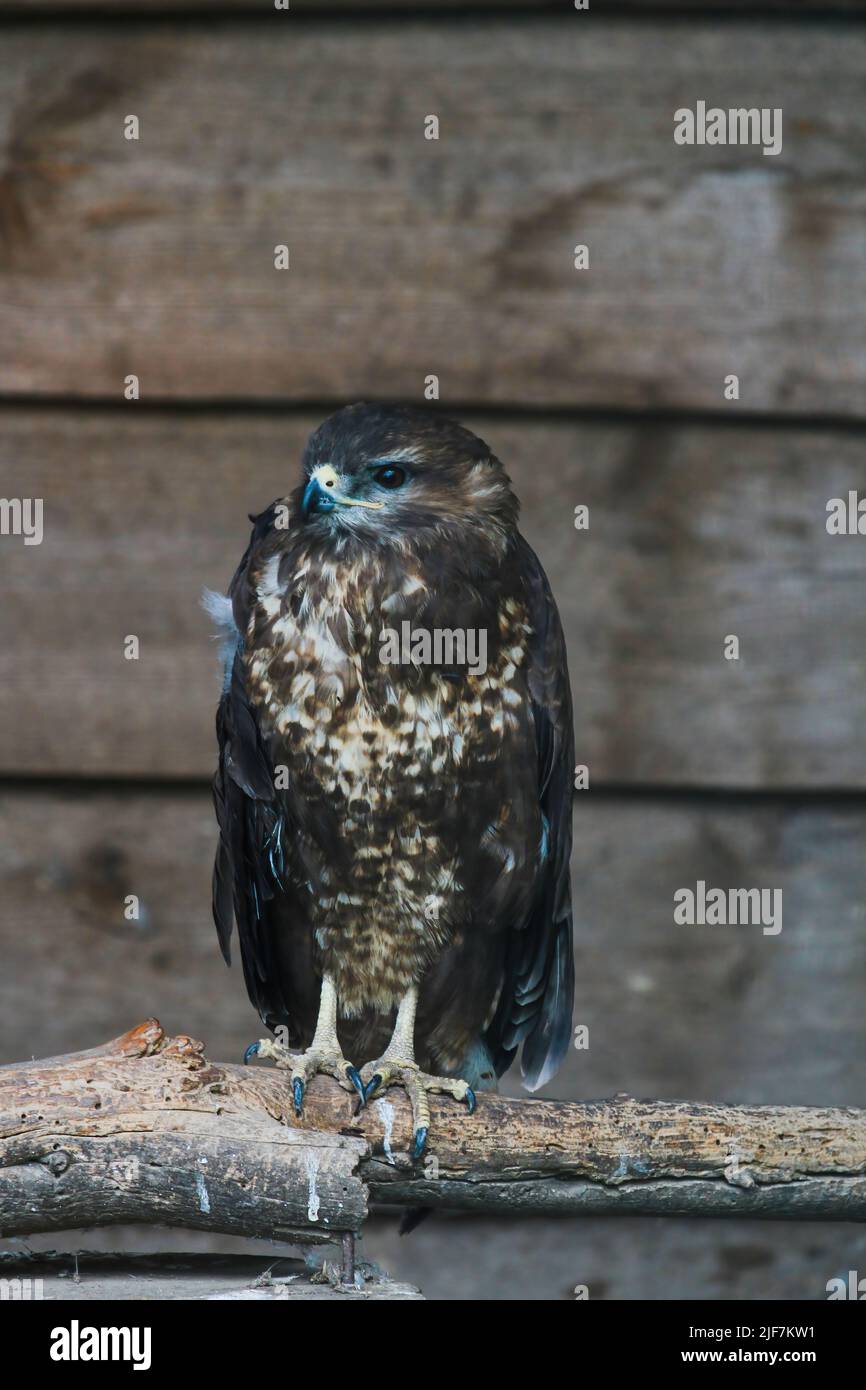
(453, 257)
(602, 387)
(698, 529)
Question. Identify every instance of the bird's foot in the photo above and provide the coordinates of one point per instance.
(328, 1060)
(395, 1071)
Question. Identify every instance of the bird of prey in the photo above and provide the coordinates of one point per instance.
(395, 818)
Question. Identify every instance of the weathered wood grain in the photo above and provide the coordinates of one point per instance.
(556, 1259)
(71, 1152)
(620, 1157)
(671, 1010)
(413, 257)
(232, 1278)
(696, 532)
(216, 1136)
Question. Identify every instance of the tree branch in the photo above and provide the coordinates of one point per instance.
(146, 1129)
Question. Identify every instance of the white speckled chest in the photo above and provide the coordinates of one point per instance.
(382, 759)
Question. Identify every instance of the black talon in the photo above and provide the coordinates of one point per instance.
(372, 1085)
(250, 1052)
(471, 1102)
(356, 1081)
(298, 1093)
(420, 1142)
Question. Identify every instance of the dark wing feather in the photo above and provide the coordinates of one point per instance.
(535, 1005)
(250, 863)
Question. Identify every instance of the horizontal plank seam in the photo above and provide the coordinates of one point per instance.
(556, 10)
(527, 413)
(132, 786)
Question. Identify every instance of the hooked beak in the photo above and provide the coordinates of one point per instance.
(321, 495)
(316, 499)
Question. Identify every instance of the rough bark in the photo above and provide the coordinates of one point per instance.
(147, 1129)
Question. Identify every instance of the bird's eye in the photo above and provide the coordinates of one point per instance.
(389, 476)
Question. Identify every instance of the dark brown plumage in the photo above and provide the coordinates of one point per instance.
(388, 825)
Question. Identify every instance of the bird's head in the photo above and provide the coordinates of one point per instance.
(385, 475)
